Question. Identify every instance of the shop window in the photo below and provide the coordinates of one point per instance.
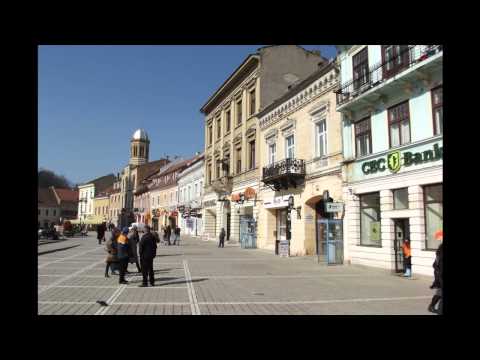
(437, 107)
(370, 234)
(400, 199)
(399, 124)
(363, 137)
(433, 197)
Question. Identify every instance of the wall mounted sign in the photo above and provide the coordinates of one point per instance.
(395, 160)
(210, 203)
(334, 207)
(249, 193)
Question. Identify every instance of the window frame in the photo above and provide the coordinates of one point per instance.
(390, 123)
(425, 202)
(252, 101)
(287, 147)
(395, 68)
(360, 222)
(210, 134)
(270, 158)
(317, 138)
(238, 160)
(238, 111)
(435, 107)
(364, 64)
(395, 203)
(228, 120)
(219, 127)
(363, 133)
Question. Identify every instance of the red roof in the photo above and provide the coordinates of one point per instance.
(67, 194)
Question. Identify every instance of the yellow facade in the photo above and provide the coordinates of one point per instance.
(101, 208)
(306, 114)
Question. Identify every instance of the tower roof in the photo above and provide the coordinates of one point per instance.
(140, 134)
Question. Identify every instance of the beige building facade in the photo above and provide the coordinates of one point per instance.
(232, 135)
(300, 156)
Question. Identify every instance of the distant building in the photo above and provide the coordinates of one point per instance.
(48, 208)
(68, 202)
(87, 193)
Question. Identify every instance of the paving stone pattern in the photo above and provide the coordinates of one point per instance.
(199, 278)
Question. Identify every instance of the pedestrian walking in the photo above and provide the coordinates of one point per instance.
(111, 248)
(407, 258)
(177, 235)
(123, 254)
(437, 283)
(169, 233)
(101, 233)
(147, 248)
(222, 238)
(133, 240)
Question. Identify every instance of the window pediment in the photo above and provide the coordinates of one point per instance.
(251, 132)
(288, 127)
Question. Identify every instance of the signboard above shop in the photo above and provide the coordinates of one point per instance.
(333, 207)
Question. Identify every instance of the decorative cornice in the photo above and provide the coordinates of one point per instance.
(237, 138)
(318, 88)
(251, 131)
(271, 133)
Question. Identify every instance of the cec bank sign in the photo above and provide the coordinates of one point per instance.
(395, 160)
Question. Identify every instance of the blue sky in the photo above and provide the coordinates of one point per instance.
(92, 98)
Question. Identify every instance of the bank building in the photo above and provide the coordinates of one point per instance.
(390, 100)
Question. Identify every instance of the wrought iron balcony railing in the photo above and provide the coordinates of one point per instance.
(284, 168)
(377, 74)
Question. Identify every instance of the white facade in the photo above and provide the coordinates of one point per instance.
(190, 193)
(86, 193)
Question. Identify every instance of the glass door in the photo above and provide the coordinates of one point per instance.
(282, 224)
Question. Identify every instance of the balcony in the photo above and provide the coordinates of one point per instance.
(284, 174)
(222, 185)
(380, 79)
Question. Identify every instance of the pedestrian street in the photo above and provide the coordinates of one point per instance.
(198, 278)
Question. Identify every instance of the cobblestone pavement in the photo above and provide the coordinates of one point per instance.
(199, 278)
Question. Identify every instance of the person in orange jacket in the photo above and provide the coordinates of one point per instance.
(407, 258)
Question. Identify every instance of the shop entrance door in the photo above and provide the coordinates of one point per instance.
(248, 232)
(401, 228)
(281, 228)
(330, 241)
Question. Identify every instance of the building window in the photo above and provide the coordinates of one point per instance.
(210, 135)
(400, 199)
(209, 173)
(201, 187)
(239, 112)
(363, 137)
(360, 68)
(433, 197)
(227, 121)
(141, 151)
(252, 102)
(272, 152)
(218, 174)
(437, 107)
(46, 212)
(39, 212)
(219, 128)
(399, 124)
(370, 234)
(252, 154)
(290, 147)
(239, 160)
(321, 138)
(196, 189)
(395, 59)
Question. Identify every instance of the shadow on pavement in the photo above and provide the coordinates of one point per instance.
(45, 242)
(168, 282)
(55, 250)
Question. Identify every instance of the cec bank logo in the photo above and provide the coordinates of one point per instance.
(393, 161)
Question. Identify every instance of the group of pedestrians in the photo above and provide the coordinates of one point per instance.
(122, 250)
(170, 234)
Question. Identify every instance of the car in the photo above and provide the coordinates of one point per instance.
(140, 227)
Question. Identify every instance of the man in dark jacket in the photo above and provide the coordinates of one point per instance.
(147, 249)
(222, 238)
(101, 233)
(438, 282)
(133, 240)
